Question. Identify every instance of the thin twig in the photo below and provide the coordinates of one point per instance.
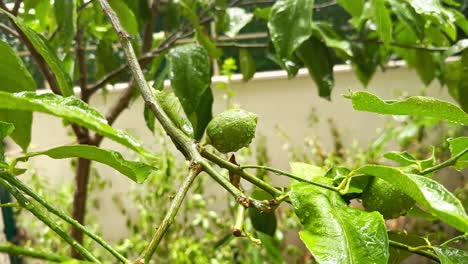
(170, 215)
(58, 212)
(9, 30)
(236, 169)
(12, 249)
(290, 175)
(241, 45)
(42, 216)
(444, 164)
(453, 239)
(413, 250)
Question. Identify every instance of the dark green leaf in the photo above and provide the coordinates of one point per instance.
(137, 171)
(65, 15)
(365, 60)
(398, 255)
(332, 39)
(106, 60)
(202, 115)
(457, 145)
(262, 222)
(125, 15)
(463, 83)
(42, 46)
(236, 18)
(72, 110)
(272, 248)
(190, 75)
(149, 118)
(247, 64)
(429, 193)
(319, 62)
(414, 105)
(290, 25)
(425, 66)
(381, 18)
(15, 78)
(354, 7)
(449, 255)
(334, 232)
(407, 15)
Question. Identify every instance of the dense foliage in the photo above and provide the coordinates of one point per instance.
(94, 43)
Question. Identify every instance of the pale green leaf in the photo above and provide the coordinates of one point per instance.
(235, 19)
(414, 105)
(354, 7)
(457, 145)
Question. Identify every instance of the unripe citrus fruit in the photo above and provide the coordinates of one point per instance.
(231, 130)
(381, 196)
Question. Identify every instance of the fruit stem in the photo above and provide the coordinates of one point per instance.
(287, 174)
(444, 164)
(414, 250)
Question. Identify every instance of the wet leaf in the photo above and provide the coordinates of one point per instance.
(235, 19)
(72, 110)
(334, 232)
(136, 171)
(414, 106)
(290, 25)
(449, 255)
(429, 193)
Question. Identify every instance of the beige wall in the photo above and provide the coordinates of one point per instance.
(276, 100)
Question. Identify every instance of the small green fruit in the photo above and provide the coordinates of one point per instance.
(381, 196)
(232, 130)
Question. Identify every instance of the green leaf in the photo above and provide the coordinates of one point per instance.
(381, 18)
(262, 222)
(425, 66)
(354, 7)
(406, 159)
(15, 78)
(463, 83)
(65, 16)
(429, 193)
(414, 106)
(262, 12)
(319, 62)
(398, 255)
(202, 115)
(236, 18)
(334, 232)
(42, 46)
(458, 47)
(449, 255)
(72, 110)
(247, 64)
(106, 60)
(149, 118)
(136, 171)
(190, 75)
(290, 25)
(365, 60)
(5, 130)
(272, 248)
(407, 15)
(332, 39)
(125, 15)
(172, 107)
(457, 145)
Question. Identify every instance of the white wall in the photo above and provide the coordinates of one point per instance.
(276, 100)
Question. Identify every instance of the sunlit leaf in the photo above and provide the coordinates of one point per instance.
(236, 18)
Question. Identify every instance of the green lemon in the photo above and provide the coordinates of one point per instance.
(381, 196)
(231, 130)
